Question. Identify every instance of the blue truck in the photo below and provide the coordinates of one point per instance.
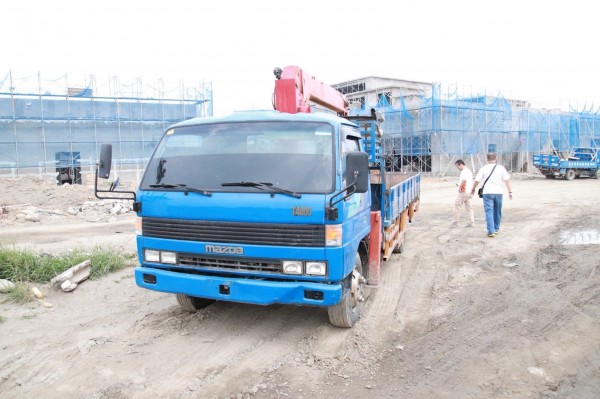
(581, 161)
(267, 207)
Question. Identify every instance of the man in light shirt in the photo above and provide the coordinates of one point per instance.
(465, 185)
(493, 177)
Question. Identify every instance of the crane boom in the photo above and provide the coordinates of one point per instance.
(295, 89)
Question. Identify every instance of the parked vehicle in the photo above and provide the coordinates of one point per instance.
(265, 207)
(582, 161)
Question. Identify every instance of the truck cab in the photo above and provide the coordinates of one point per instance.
(258, 207)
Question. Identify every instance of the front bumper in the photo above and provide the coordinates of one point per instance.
(235, 289)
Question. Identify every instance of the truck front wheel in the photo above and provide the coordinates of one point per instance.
(346, 313)
(570, 175)
(191, 303)
(596, 174)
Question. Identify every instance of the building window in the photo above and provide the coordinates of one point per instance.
(491, 148)
(357, 102)
(384, 99)
(354, 88)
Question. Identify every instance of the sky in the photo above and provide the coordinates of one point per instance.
(544, 51)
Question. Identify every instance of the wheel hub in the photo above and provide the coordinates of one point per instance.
(357, 288)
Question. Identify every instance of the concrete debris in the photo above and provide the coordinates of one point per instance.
(68, 286)
(116, 209)
(6, 285)
(538, 372)
(38, 294)
(510, 265)
(29, 214)
(69, 279)
(45, 304)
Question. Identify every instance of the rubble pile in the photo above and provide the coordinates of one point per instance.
(30, 199)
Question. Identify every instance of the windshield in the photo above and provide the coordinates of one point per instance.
(295, 156)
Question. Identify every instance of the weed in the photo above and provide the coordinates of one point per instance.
(20, 293)
(25, 266)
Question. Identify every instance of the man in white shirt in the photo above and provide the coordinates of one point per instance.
(494, 177)
(465, 184)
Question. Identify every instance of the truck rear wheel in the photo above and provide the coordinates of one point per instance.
(570, 175)
(192, 303)
(346, 313)
(596, 174)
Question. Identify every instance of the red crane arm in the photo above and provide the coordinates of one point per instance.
(294, 89)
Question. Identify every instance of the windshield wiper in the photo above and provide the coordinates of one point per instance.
(183, 188)
(262, 186)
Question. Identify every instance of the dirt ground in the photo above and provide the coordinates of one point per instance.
(457, 315)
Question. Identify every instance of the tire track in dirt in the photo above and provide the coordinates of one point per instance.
(380, 314)
(55, 353)
(228, 350)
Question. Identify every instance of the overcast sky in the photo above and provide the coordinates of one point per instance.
(545, 51)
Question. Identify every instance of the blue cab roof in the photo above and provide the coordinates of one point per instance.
(266, 115)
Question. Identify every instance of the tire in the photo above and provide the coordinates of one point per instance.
(399, 248)
(191, 303)
(570, 175)
(346, 313)
(596, 174)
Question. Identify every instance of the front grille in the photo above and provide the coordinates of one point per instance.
(254, 265)
(296, 235)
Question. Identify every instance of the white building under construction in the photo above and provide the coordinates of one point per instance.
(427, 129)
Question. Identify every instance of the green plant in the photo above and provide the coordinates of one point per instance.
(27, 266)
(20, 293)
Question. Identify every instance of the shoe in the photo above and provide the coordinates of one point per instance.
(492, 235)
(496, 232)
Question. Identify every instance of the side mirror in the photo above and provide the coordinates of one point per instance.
(103, 171)
(357, 171)
(105, 161)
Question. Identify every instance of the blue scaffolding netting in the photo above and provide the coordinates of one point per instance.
(452, 125)
(45, 123)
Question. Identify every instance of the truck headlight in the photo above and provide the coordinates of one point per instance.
(316, 268)
(151, 255)
(292, 267)
(333, 235)
(168, 257)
